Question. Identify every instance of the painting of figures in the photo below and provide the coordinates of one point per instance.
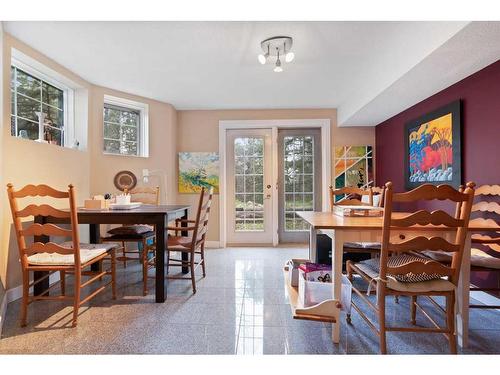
(197, 170)
(433, 148)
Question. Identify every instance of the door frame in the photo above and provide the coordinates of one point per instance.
(274, 125)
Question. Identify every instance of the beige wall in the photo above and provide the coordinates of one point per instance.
(162, 149)
(199, 131)
(90, 171)
(26, 162)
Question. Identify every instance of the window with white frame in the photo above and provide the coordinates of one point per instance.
(125, 127)
(38, 106)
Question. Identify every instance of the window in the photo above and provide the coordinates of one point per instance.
(125, 127)
(38, 108)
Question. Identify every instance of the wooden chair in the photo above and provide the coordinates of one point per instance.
(143, 235)
(482, 261)
(192, 245)
(70, 257)
(486, 211)
(402, 270)
(353, 196)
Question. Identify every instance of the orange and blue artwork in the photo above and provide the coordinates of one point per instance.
(430, 149)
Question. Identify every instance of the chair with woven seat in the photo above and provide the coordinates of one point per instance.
(191, 245)
(70, 257)
(402, 269)
(485, 251)
(142, 235)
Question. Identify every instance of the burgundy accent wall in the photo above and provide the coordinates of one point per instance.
(480, 95)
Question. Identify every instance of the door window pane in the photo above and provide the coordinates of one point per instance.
(298, 162)
(249, 183)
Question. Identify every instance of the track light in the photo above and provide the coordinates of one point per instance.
(276, 46)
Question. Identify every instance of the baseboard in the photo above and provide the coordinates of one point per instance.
(14, 294)
(213, 244)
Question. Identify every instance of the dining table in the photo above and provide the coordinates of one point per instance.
(158, 216)
(343, 229)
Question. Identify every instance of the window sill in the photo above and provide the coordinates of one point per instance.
(45, 143)
(123, 155)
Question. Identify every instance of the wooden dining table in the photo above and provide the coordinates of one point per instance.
(158, 216)
(343, 229)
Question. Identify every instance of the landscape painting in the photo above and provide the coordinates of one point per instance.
(433, 148)
(197, 170)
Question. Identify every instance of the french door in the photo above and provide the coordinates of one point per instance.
(299, 181)
(249, 186)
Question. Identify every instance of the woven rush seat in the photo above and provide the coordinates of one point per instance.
(87, 253)
(405, 283)
(179, 242)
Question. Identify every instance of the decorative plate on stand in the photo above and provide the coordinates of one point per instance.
(125, 180)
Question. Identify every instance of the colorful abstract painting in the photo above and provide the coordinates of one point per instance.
(197, 170)
(432, 145)
(353, 166)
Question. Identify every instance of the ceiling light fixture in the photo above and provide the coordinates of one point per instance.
(277, 46)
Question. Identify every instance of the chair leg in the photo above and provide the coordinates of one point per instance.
(450, 322)
(191, 266)
(124, 255)
(113, 273)
(144, 267)
(24, 305)
(62, 276)
(203, 259)
(413, 310)
(381, 318)
(349, 270)
(76, 301)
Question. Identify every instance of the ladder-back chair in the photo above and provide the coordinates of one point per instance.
(402, 270)
(70, 257)
(192, 245)
(140, 234)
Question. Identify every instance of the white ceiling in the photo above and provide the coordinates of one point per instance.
(353, 66)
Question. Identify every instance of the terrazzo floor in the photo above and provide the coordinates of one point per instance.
(240, 308)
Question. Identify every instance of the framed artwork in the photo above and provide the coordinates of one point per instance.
(353, 166)
(433, 148)
(197, 170)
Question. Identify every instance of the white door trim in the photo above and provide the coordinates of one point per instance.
(224, 125)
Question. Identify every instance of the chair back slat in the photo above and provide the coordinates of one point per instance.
(488, 190)
(40, 191)
(431, 192)
(484, 206)
(348, 196)
(423, 217)
(49, 247)
(46, 230)
(36, 230)
(421, 242)
(42, 210)
(456, 225)
(429, 267)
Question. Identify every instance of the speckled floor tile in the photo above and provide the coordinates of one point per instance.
(241, 307)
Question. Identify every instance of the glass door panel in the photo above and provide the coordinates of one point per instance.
(299, 184)
(249, 204)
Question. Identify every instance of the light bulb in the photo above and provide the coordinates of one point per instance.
(262, 59)
(289, 56)
(278, 69)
